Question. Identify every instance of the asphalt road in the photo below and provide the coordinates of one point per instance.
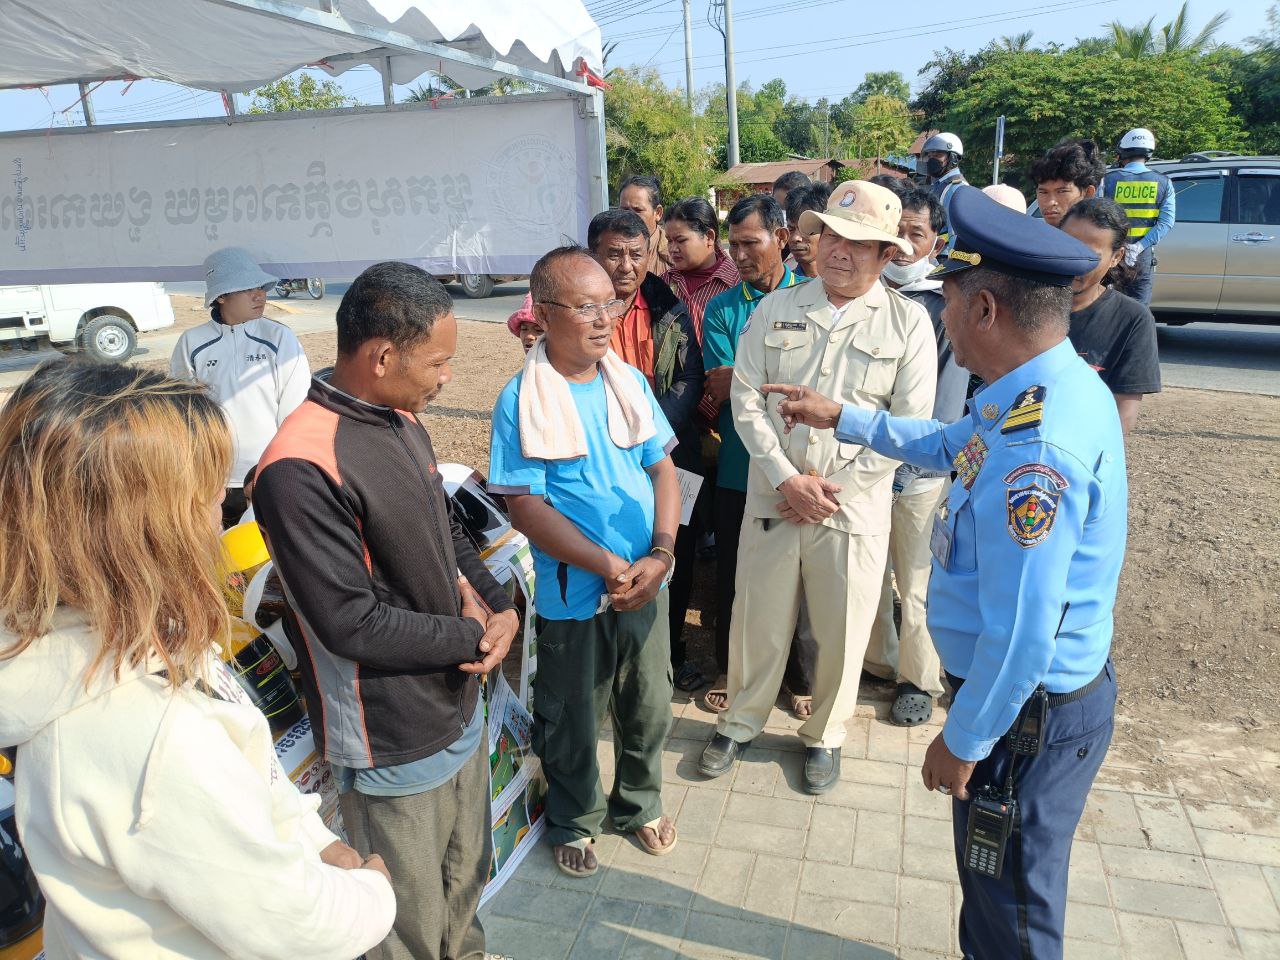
(1241, 358)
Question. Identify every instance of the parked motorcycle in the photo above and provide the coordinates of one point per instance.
(311, 285)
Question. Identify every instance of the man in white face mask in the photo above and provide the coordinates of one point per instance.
(907, 655)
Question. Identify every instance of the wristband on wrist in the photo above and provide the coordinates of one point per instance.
(664, 551)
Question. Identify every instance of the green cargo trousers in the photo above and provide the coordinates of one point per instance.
(614, 662)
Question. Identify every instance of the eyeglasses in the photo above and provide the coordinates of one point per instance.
(587, 313)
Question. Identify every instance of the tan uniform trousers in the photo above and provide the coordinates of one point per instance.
(839, 576)
(908, 655)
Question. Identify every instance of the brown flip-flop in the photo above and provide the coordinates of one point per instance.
(719, 688)
(657, 851)
(580, 844)
(796, 699)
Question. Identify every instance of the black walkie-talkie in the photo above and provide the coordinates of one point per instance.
(990, 823)
(1026, 736)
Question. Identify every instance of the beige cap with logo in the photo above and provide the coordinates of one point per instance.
(859, 210)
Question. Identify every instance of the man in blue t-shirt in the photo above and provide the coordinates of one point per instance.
(588, 477)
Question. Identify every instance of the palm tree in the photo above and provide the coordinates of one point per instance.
(1132, 43)
(431, 91)
(1177, 33)
(1143, 40)
(1020, 43)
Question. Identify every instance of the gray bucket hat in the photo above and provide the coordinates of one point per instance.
(231, 270)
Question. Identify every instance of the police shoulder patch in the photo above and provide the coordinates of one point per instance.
(1032, 510)
(1058, 481)
(1027, 410)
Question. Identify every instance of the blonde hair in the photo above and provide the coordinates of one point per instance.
(108, 477)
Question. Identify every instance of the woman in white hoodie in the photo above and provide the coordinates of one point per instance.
(150, 802)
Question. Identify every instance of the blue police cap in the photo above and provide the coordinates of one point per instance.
(989, 234)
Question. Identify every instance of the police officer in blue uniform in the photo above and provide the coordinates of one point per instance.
(1027, 556)
(1150, 202)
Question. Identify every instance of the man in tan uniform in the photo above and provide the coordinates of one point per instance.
(817, 514)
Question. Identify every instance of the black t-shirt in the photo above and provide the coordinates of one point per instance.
(1117, 337)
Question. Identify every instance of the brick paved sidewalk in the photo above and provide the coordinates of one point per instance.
(867, 872)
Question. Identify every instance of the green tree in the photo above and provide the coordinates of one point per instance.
(1019, 43)
(431, 90)
(1252, 79)
(1047, 96)
(500, 87)
(948, 73)
(882, 126)
(299, 92)
(804, 127)
(882, 83)
(649, 129)
(1143, 40)
(757, 143)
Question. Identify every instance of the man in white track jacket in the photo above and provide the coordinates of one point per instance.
(255, 367)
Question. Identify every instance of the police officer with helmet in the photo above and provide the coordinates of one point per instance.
(1027, 556)
(1149, 201)
(941, 156)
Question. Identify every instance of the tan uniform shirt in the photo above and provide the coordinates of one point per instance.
(879, 354)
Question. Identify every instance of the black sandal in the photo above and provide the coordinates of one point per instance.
(912, 707)
(689, 678)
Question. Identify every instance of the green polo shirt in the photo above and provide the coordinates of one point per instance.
(726, 314)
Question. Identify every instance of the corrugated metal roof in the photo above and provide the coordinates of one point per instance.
(768, 172)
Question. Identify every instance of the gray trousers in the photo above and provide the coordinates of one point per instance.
(616, 664)
(437, 846)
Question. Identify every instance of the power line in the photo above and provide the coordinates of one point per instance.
(626, 11)
(679, 24)
(945, 26)
(754, 13)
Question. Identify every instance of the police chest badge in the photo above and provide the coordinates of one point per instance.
(1032, 510)
(969, 460)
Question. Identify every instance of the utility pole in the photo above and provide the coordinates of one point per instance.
(688, 57)
(731, 87)
(995, 166)
(86, 105)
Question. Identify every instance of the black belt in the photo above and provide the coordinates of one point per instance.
(1058, 699)
(1055, 699)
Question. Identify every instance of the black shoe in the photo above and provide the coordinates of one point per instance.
(912, 707)
(719, 756)
(821, 769)
(688, 678)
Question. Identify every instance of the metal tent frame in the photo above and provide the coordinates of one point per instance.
(385, 45)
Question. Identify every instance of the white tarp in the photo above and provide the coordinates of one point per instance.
(212, 46)
(470, 187)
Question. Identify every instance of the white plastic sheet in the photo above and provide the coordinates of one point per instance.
(200, 43)
(470, 187)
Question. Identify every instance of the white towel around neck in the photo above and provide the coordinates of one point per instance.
(550, 426)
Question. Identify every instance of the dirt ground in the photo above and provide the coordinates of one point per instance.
(1197, 635)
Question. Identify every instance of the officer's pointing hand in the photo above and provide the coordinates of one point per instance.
(804, 406)
(942, 768)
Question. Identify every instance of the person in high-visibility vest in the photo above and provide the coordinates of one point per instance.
(1148, 200)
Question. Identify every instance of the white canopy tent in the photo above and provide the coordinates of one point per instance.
(237, 45)
(463, 186)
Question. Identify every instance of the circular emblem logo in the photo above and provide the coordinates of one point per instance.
(848, 199)
(532, 184)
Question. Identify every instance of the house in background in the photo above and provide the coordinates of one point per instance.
(747, 178)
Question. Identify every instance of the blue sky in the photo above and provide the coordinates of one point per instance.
(819, 47)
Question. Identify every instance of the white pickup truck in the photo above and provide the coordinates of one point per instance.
(101, 319)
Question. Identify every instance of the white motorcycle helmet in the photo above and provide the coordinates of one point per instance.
(944, 141)
(1138, 139)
